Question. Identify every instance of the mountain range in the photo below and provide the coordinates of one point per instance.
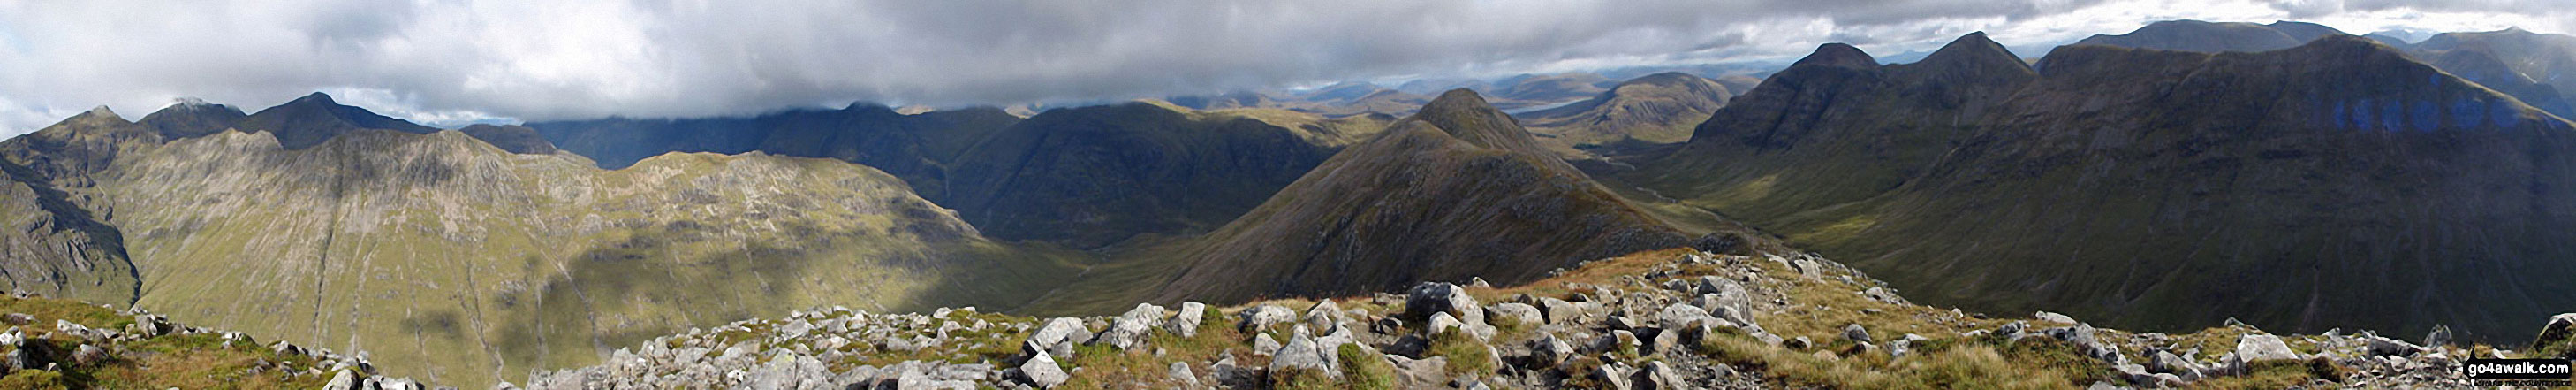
(2284, 175)
(2340, 183)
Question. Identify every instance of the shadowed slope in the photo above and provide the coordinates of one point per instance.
(1093, 176)
(2336, 184)
(1455, 191)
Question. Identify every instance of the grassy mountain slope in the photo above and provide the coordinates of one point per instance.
(1457, 190)
(1092, 176)
(2336, 184)
(450, 259)
(1657, 108)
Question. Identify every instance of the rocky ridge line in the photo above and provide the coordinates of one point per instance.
(1674, 319)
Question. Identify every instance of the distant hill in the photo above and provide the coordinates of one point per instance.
(2528, 66)
(1659, 108)
(2159, 189)
(2538, 68)
(916, 147)
(1454, 191)
(2194, 35)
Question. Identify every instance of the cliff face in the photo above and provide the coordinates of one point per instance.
(2163, 189)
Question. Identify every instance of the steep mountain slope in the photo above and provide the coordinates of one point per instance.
(2194, 35)
(1657, 108)
(1457, 190)
(2538, 68)
(54, 245)
(1093, 176)
(1836, 114)
(916, 147)
(2336, 184)
(450, 259)
(314, 118)
(2528, 66)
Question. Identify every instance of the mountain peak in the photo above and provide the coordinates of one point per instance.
(315, 97)
(1974, 49)
(1465, 115)
(1838, 55)
(101, 110)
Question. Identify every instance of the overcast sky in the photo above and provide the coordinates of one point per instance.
(449, 61)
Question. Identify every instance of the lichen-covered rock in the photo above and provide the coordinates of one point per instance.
(1262, 317)
(1185, 323)
(1131, 328)
(2263, 347)
(1041, 371)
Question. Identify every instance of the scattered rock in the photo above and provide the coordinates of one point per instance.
(2054, 317)
(2440, 336)
(1301, 353)
(1131, 328)
(1061, 329)
(2382, 346)
(1186, 322)
(1429, 298)
(1263, 345)
(1041, 371)
(1519, 313)
(1262, 317)
(2263, 347)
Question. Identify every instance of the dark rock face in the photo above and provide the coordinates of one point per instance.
(916, 147)
(1458, 190)
(515, 139)
(2160, 189)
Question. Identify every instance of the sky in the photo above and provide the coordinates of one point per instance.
(450, 62)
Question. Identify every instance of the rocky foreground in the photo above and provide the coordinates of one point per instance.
(1674, 319)
(64, 344)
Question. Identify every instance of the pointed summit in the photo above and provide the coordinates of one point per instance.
(315, 97)
(1464, 114)
(1976, 50)
(1838, 55)
(100, 111)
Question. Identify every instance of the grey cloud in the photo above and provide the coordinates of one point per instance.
(453, 59)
